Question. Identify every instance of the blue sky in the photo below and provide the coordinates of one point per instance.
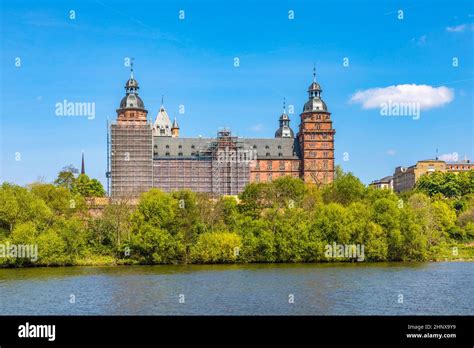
(191, 62)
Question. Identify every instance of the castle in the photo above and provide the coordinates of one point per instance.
(145, 154)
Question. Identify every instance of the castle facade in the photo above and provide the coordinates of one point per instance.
(145, 154)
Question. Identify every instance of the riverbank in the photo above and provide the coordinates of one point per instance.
(448, 253)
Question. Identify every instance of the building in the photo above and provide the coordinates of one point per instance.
(384, 183)
(460, 166)
(405, 178)
(144, 155)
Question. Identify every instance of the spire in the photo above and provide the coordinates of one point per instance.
(131, 87)
(162, 99)
(175, 124)
(175, 129)
(314, 72)
(284, 105)
(83, 168)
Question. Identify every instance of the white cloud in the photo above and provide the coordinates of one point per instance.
(449, 157)
(460, 28)
(456, 29)
(425, 96)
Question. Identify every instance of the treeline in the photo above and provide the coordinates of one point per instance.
(281, 221)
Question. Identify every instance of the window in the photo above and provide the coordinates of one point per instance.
(282, 165)
(269, 177)
(257, 166)
(156, 146)
(193, 147)
(325, 154)
(279, 147)
(325, 164)
(257, 177)
(180, 147)
(167, 146)
(280, 154)
(267, 147)
(269, 165)
(180, 154)
(167, 153)
(268, 154)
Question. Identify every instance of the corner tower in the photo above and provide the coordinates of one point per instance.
(131, 145)
(316, 138)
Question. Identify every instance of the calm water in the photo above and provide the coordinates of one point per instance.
(351, 289)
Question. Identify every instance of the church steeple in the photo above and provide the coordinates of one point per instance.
(83, 168)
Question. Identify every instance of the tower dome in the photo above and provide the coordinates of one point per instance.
(131, 99)
(314, 103)
(284, 131)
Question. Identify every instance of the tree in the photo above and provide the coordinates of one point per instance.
(66, 177)
(345, 189)
(152, 244)
(216, 247)
(88, 187)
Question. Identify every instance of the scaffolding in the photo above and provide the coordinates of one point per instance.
(230, 164)
(131, 169)
(220, 166)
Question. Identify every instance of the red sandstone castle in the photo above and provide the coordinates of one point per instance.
(144, 155)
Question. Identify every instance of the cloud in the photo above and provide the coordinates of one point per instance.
(460, 28)
(427, 97)
(449, 157)
(391, 152)
(421, 41)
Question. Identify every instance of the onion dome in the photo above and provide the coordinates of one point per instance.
(314, 103)
(284, 131)
(131, 99)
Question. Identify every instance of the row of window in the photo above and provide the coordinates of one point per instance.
(193, 147)
(281, 165)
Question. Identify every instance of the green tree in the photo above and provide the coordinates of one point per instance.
(345, 189)
(88, 187)
(67, 177)
(216, 247)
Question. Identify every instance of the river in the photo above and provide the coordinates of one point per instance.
(445, 288)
